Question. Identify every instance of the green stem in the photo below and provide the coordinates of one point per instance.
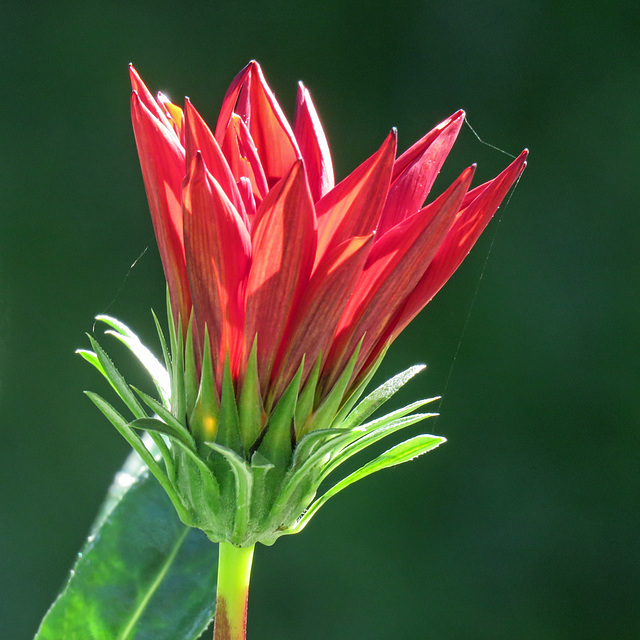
(234, 571)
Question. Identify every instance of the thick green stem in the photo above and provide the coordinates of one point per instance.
(234, 572)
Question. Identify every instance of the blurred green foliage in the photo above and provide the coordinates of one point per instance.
(525, 524)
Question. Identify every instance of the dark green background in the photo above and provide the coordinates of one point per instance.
(525, 525)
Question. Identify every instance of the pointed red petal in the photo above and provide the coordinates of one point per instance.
(198, 137)
(265, 120)
(318, 312)
(284, 243)
(242, 156)
(229, 102)
(393, 269)
(270, 130)
(218, 250)
(354, 206)
(415, 171)
(162, 162)
(173, 113)
(477, 209)
(313, 145)
(139, 87)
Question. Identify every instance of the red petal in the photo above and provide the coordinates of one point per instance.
(162, 162)
(198, 137)
(354, 206)
(319, 310)
(393, 269)
(265, 120)
(173, 113)
(284, 243)
(477, 209)
(415, 171)
(218, 250)
(147, 99)
(242, 156)
(313, 145)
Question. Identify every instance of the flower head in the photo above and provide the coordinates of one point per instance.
(286, 289)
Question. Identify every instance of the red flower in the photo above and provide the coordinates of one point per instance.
(259, 244)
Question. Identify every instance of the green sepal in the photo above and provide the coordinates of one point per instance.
(240, 503)
(399, 454)
(204, 419)
(229, 426)
(200, 492)
(250, 410)
(261, 469)
(157, 372)
(306, 401)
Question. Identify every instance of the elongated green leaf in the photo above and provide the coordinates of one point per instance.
(403, 452)
(157, 372)
(141, 575)
(377, 430)
(117, 381)
(379, 396)
(166, 416)
(159, 426)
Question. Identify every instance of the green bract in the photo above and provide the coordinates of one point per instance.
(240, 469)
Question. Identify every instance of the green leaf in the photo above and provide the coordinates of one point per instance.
(138, 446)
(117, 381)
(142, 573)
(379, 396)
(157, 372)
(178, 394)
(400, 453)
(163, 344)
(167, 417)
(159, 426)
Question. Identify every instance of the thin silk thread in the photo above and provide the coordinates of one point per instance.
(501, 212)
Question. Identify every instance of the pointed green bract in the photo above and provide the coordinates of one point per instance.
(250, 410)
(324, 414)
(229, 427)
(204, 419)
(277, 443)
(306, 401)
(242, 470)
(190, 372)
